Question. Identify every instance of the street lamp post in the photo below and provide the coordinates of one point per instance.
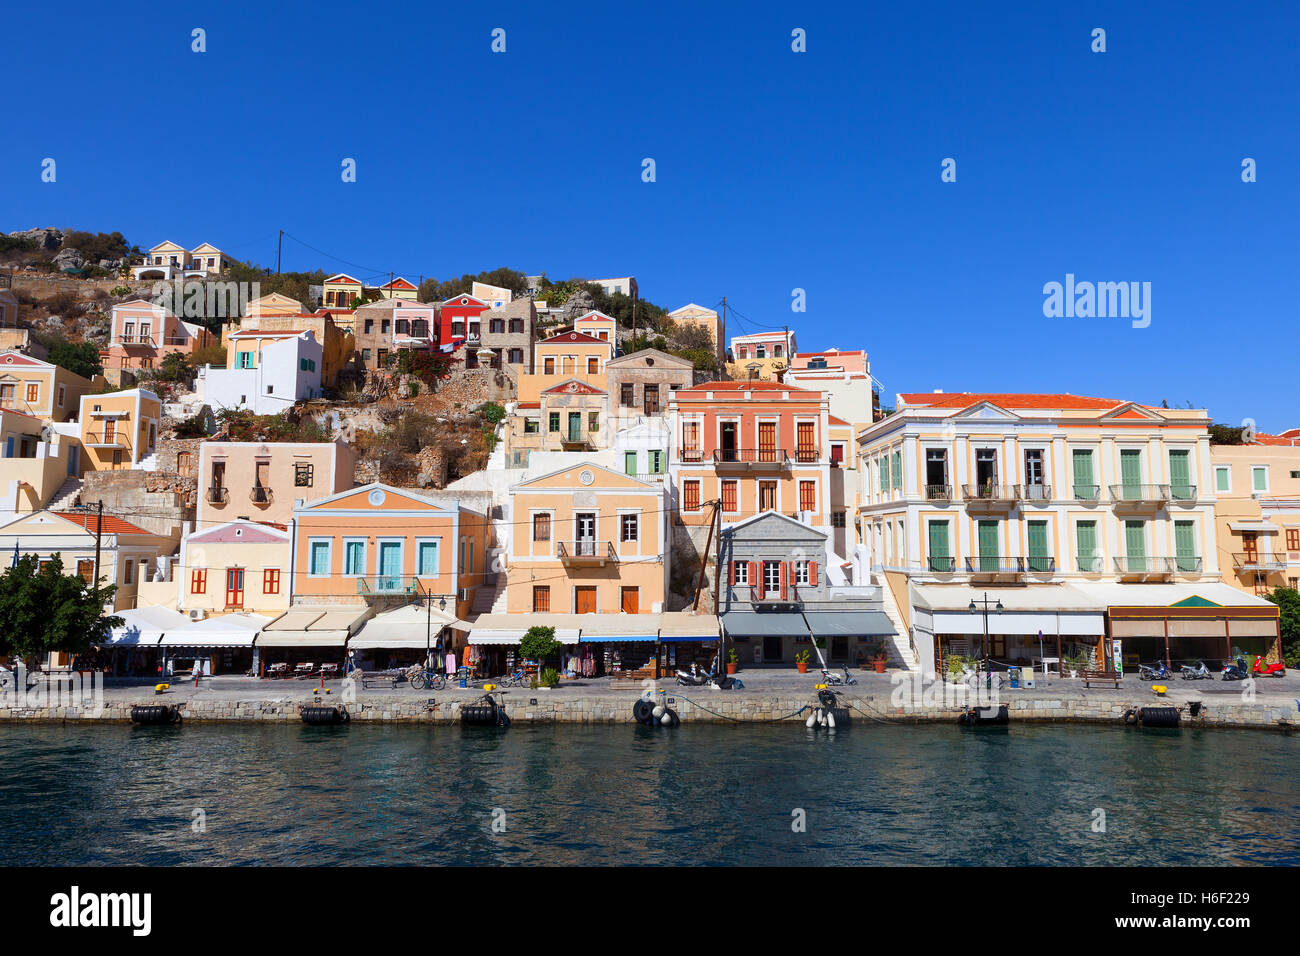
(428, 624)
(988, 674)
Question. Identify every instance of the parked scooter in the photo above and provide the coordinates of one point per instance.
(692, 678)
(1159, 672)
(1235, 670)
(1199, 672)
(830, 677)
(1261, 669)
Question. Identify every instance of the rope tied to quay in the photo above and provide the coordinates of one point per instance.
(740, 720)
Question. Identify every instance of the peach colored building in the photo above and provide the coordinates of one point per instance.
(762, 356)
(692, 315)
(379, 544)
(40, 389)
(119, 429)
(36, 461)
(143, 334)
(262, 481)
(752, 447)
(587, 540)
(1257, 511)
(569, 355)
(232, 567)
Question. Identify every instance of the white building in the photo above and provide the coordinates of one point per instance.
(268, 371)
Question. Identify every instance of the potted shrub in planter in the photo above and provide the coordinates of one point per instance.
(801, 661)
(539, 644)
(880, 660)
(733, 661)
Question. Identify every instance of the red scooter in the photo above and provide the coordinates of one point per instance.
(1260, 669)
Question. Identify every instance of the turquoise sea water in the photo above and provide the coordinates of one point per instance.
(716, 795)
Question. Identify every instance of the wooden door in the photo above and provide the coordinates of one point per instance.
(631, 600)
(584, 600)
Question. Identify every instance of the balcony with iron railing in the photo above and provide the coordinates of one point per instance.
(1039, 493)
(989, 495)
(1143, 566)
(938, 492)
(216, 495)
(586, 551)
(103, 439)
(388, 585)
(1090, 563)
(1253, 561)
(939, 564)
(1184, 494)
(145, 341)
(1139, 495)
(752, 457)
(1085, 492)
(995, 565)
(758, 595)
(259, 495)
(1040, 564)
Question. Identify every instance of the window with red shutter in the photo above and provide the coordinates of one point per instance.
(812, 574)
(198, 581)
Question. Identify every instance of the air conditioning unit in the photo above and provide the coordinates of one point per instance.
(462, 594)
(197, 614)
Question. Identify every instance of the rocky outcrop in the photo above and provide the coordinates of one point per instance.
(69, 259)
(46, 239)
(578, 305)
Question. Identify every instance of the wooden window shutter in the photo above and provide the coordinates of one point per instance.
(812, 573)
(732, 572)
(783, 575)
(754, 580)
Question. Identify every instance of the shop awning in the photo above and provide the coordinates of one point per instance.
(1054, 609)
(511, 628)
(144, 627)
(312, 627)
(228, 630)
(848, 623)
(404, 628)
(684, 626)
(1263, 527)
(756, 624)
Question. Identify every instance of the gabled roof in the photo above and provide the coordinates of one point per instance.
(773, 516)
(404, 495)
(692, 305)
(745, 386)
(341, 278)
(398, 283)
(573, 338)
(574, 386)
(14, 357)
(465, 299)
(588, 466)
(595, 315)
(91, 523)
(632, 357)
(140, 303)
(1007, 400)
(258, 532)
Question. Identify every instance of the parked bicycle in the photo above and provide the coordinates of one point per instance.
(517, 679)
(420, 678)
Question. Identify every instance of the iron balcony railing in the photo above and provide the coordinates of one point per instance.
(216, 495)
(989, 492)
(1034, 492)
(995, 564)
(261, 496)
(939, 564)
(108, 440)
(938, 492)
(1040, 564)
(758, 595)
(145, 340)
(586, 550)
(1090, 563)
(1132, 493)
(385, 585)
(1182, 492)
(1142, 564)
(752, 456)
(1252, 561)
(692, 455)
(1086, 492)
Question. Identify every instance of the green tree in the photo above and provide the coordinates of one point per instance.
(1288, 602)
(42, 609)
(80, 358)
(539, 644)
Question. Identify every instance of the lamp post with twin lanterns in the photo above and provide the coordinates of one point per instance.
(988, 674)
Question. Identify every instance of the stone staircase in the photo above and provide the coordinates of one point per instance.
(148, 464)
(67, 495)
(491, 597)
(901, 656)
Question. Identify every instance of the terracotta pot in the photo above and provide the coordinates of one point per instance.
(880, 666)
(803, 667)
(731, 667)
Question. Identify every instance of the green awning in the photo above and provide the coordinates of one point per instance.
(758, 624)
(848, 623)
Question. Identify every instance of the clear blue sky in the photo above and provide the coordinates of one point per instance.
(775, 170)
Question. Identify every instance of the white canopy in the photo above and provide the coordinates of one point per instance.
(228, 630)
(312, 627)
(144, 626)
(511, 628)
(409, 626)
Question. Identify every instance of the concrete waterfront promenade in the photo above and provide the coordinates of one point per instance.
(768, 696)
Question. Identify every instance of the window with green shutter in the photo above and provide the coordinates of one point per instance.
(898, 471)
(1185, 546)
(988, 543)
(656, 461)
(629, 462)
(884, 474)
(940, 556)
(1039, 556)
(1130, 472)
(553, 422)
(1180, 476)
(1222, 478)
(1086, 536)
(1135, 545)
(1084, 487)
(1259, 477)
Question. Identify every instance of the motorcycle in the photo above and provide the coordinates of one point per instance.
(829, 677)
(1235, 670)
(1261, 669)
(1159, 672)
(692, 678)
(1199, 672)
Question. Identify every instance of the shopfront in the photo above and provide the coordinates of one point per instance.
(132, 649)
(218, 645)
(849, 638)
(304, 636)
(399, 638)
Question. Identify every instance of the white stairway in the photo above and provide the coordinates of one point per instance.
(900, 650)
(148, 464)
(66, 496)
(491, 597)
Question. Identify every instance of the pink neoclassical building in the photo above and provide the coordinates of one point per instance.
(143, 333)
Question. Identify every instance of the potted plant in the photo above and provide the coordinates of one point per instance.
(880, 660)
(733, 661)
(539, 644)
(801, 661)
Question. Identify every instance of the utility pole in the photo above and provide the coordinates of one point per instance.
(99, 529)
(722, 333)
(704, 562)
(278, 245)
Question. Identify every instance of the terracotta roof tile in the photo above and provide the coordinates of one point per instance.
(111, 525)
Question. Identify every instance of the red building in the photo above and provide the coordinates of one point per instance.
(458, 320)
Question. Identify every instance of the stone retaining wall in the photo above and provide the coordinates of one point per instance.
(702, 706)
